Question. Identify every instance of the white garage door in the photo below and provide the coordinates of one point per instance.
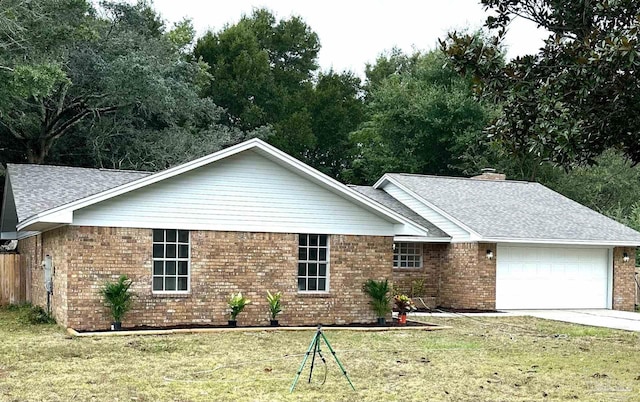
(551, 277)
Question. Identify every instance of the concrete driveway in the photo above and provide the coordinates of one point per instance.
(598, 318)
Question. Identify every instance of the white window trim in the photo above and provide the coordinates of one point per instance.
(188, 260)
(328, 261)
(420, 253)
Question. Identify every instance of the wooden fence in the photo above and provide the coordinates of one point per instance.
(12, 280)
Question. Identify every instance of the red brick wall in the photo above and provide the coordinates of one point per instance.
(221, 263)
(467, 277)
(623, 283)
(406, 279)
(33, 250)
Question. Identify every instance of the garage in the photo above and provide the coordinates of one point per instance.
(536, 277)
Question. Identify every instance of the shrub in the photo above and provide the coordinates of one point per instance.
(35, 315)
(378, 291)
(118, 297)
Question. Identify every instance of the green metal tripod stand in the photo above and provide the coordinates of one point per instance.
(315, 347)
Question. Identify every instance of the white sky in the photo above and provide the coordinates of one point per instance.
(354, 32)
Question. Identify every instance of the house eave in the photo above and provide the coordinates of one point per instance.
(421, 239)
(567, 242)
(385, 178)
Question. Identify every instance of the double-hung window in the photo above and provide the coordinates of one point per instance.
(171, 251)
(407, 255)
(313, 263)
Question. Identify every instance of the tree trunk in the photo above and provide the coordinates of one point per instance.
(37, 151)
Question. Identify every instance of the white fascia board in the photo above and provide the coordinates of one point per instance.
(24, 235)
(256, 143)
(562, 242)
(8, 235)
(421, 239)
(63, 217)
(475, 236)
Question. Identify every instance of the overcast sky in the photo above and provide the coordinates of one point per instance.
(354, 32)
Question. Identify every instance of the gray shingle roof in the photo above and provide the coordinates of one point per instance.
(37, 188)
(514, 209)
(388, 201)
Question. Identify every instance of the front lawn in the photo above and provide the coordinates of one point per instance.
(480, 359)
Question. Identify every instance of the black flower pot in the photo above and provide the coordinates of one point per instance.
(233, 323)
(382, 321)
(116, 326)
(274, 323)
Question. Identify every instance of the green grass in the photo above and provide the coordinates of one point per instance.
(486, 359)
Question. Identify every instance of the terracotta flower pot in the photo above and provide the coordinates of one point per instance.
(402, 318)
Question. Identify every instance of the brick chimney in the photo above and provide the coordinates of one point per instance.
(490, 174)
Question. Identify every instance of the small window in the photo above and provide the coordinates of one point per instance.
(407, 255)
(313, 263)
(171, 252)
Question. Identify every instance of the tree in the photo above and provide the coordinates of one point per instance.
(422, 118)
(261, 72)
(607, 187)
(125, 80)
(578, 96)
(336, 108)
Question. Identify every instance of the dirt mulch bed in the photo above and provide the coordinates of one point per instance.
(145, 329)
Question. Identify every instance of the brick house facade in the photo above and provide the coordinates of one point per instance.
(460, 276)
(243, 211)
(221, 263)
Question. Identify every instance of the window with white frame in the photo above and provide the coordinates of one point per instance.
(407, 255)
(170, 260)
(313, 263)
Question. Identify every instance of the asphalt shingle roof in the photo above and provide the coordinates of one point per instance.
(37, 188)
(388, 201)
(514, 209)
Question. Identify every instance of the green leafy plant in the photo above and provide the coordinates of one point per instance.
(275, 305)
(404, 304)
(378, 291)
(418, 288)
(34, 315)
(237, 303)
(118, 297)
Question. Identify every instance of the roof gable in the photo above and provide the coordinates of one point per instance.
(63, 213)
(386, 199)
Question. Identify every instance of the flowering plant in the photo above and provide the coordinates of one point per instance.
(404, 304)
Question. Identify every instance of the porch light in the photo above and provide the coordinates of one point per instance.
(625, 257)
(490, 254)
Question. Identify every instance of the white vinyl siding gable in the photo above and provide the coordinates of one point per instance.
(456, 232)
(245, 192)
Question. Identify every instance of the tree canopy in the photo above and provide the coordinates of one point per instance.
(421, 118)
(101, 84)
(575, 98)
(261, 72)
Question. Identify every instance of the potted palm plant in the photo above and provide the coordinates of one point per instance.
(119, 300)
(403, 304)
(380, 302)
(275, 307)
(236, 303)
